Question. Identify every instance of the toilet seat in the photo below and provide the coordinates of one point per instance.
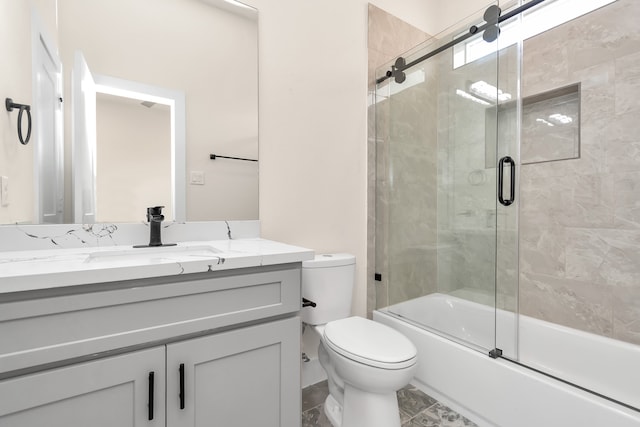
(370, 343)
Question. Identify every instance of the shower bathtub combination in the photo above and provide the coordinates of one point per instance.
(504, 393)
(506, 212)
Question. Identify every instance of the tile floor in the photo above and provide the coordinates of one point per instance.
(416, 409)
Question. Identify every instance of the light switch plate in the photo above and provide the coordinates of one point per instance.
(197, 178)
(4, 190)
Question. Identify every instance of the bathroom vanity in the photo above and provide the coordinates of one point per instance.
(206, 333)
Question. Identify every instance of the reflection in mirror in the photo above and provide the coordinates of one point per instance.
(204, 48)
(135, 152)
(136, 136)
(29, 54)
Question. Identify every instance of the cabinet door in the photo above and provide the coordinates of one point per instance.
(245, 377)
(111, 392)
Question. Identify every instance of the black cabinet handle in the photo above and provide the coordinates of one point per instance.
(151, 396)
(512, 191)
(181, 386)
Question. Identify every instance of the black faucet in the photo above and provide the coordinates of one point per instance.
(155, 218)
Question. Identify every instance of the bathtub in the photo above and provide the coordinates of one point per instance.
(498, 392)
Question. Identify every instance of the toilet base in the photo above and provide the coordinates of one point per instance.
(333, 411)
(363, 409)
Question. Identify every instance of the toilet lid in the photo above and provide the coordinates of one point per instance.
(370, 343)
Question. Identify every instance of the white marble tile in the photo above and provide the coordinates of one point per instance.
(623, 143)
(542, 250)
(605, 34)
(626, 199)
(626, 313)
(627, 83)
(589, 201)
(576, 304)
(597, 76)
(604, 256)
(545, 65)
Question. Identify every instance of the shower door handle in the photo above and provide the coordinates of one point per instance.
(512, 190)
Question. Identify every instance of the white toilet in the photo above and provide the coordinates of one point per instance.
(366, 362)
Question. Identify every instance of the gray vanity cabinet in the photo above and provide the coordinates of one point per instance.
(240, 378)
(85, 358)
(108, 392)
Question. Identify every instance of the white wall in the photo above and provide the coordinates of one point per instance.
(313, 119)
(421, 14)
(313, 124)
(133, 159)
(190, 46)
(16, 160)
(451, 12)
(432, 16)
(15, 69)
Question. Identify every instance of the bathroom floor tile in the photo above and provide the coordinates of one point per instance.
(439, 415)
(315, 417)
(412, 401)
(417, 409)
(314, 395)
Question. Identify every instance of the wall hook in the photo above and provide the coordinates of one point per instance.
(8, 102)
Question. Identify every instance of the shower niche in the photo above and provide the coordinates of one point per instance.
(550, 126)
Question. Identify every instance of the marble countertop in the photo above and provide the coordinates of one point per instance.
(22, 271)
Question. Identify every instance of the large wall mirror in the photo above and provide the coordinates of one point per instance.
(204, 51)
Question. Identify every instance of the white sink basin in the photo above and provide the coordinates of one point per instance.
(156, 252)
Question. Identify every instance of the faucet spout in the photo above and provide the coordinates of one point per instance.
(155, 218)
(154, 214)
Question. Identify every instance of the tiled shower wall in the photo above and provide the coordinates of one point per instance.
(580, 219)
(408, 163)
(436, 213)
(388, 37)
(475, 234)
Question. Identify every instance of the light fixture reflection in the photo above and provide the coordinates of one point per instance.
(237, 3)
(560, 119)
(466, 95)
(487, 91)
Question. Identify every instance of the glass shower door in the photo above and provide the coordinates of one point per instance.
(437, 207)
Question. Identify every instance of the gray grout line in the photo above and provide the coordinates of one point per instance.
(421, 412)
(320, 408)
(311, 409)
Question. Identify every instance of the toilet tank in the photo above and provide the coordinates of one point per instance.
(328, 281)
